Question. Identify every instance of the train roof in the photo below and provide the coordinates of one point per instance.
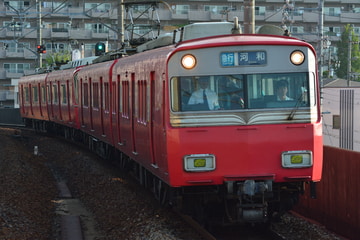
(242, 39)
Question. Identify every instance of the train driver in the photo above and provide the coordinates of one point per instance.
(204, 98)
(281, 91)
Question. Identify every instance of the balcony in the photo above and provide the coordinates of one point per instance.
(80, 34)
(349, 17)
(13, 75)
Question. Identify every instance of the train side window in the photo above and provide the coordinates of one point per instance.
(113, 95)
(142, 103)
(35, 96)
(95, 94)
(106, 97)
(76, 88)
(55, 93)
(125, 106)
(63, 93)
(43, 94)
(86, 95)
(26, 89)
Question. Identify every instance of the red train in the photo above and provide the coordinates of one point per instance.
(239, 151)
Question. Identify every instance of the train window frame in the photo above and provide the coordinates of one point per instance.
(63, 92)
(35, 94)
(265, 96)
(55, 93)
(248, 96)
(86, 94)
(96, 95)
(26, 94)
(43, 94)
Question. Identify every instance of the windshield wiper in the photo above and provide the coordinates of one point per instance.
(297, 105)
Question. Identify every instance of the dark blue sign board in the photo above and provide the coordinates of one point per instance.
(227, 59)
(231, 59)
(252, 58)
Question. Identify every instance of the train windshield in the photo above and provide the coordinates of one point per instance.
(242, 92)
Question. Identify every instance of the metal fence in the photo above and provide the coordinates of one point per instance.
(10, 116)
(337, 206)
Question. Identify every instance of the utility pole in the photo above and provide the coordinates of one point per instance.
(249, 16)
(120, 30)
(39, 31)
(321, 42)
(349, 58)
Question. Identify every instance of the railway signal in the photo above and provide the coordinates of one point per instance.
(99, 48)
(41, 48)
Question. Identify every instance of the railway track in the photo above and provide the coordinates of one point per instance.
(122, 208)
(243, 232)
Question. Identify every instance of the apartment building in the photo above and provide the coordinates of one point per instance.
(63, 26)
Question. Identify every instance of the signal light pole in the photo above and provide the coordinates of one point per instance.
(39, 34)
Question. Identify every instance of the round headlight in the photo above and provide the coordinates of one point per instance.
(297, 57)
(188, 61)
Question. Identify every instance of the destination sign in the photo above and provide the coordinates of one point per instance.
(248, 58)
(252, 58)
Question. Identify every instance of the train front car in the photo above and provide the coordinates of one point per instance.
(245, 128)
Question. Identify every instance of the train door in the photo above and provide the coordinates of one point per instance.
(151, 117)
(133, 113)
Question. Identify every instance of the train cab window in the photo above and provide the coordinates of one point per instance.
(208, 93)
(284, 90)
(241, 92)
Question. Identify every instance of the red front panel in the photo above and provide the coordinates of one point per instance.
(244, 152)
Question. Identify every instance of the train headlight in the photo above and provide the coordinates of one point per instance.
(297, 159)
(188, 61)
(199, 162)
(297, 57)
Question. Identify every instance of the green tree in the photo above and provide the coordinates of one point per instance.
(58, 58)
(343, 50)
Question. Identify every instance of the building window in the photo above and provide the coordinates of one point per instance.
(216, 9)
(96, 27)
(332, 11)
(181, 9)
(98, 7)
(56, 47)
(17, 47)
(15, 26)
(297, 29)
(260, 11)
(16, 67)
(11, 5)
